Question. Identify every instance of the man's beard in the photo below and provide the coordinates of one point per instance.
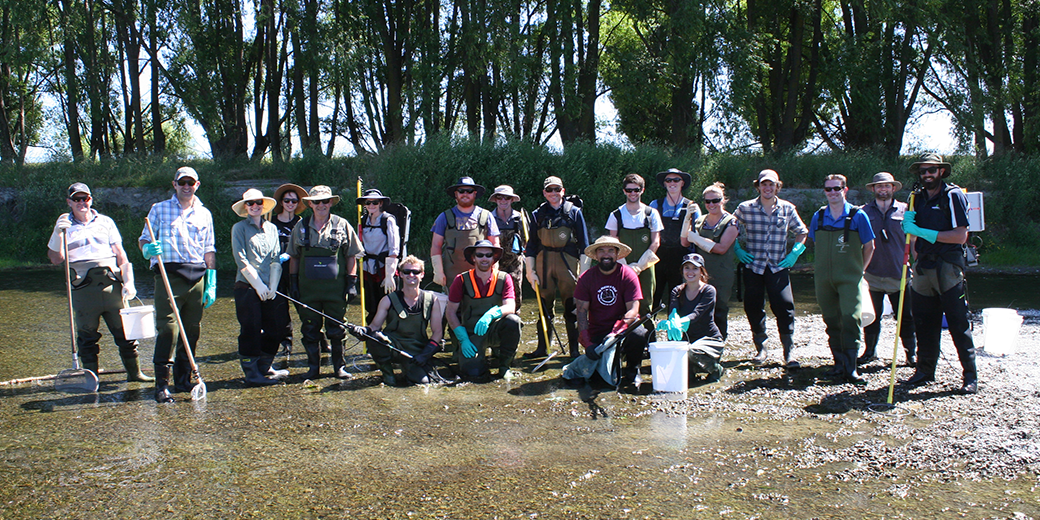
(883, 196)
(606, 264)
(933, 184)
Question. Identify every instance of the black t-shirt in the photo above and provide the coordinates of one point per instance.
(702, 306)
(285, 229)
(945, 211)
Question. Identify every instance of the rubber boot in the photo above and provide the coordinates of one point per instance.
(133, 371)
(162, 384)
(338, 368)
(287, 353)
(182, 375)
(252, 372)
(387, 371)
(570, 321)
(924, 374)
(313, 360)
(763, 352)
(788, 342)
(870, 352)
(264, 366)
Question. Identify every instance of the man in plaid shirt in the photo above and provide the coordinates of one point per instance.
(764, 224)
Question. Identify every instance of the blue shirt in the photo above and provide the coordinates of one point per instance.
(465, 221)
(860, 223)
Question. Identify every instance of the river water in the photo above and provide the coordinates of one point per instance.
(527, 448)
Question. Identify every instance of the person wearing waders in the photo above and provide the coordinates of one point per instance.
(185, 242)
(323, 274)
(555, 256)
(607, 297)
(714, 233)
(844, 244)
(639, 227)
(939, 220)
(765, 223)
(511, 237)
(404, 316)
(675, 209)
(286, 213)
(885, 272)
(255, 248)
(457, 228)
(380, 238)
(102, 279)
(481, 312)
(692, 319)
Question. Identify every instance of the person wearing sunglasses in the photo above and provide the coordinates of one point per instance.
(555, 255)
(481, 312)
(838, 276)
(323, 251)
(102, 279)
(255, 248)
(288, 207)
(510, 223)
(939, 220)
(457, 228)
(714, 233)
(184, 238)
(675, 209)
(765, 223)
(639, 227)
(380, 237)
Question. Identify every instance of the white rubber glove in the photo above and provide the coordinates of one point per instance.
(648, 259)
(687, 224)
(389, 284)
(126, 272)
(704, 243)
(64, 222)
(254, 280)
(276, 278)
(532, 277)
(438, 270)
(584, 263)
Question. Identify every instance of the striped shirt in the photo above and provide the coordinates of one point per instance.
(186, 234)
(89, 241)
(765, 235)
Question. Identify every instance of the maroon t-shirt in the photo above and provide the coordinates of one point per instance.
(607, 295)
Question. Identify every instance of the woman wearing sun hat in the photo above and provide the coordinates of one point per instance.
(380, 237)
(288, 207)
(255, 248)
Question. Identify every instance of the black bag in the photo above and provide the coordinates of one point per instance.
(403, 215)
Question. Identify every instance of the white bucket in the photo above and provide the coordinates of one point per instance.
(138, 322)
(669, 366)
(1001, 330)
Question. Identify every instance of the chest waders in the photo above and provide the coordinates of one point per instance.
(474, 305)
(720, 268)
(322, 280)
(407, 329)
(839, 271)
(456, 241)
(639, 240)
(558, 261)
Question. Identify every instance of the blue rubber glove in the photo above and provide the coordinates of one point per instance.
(792, 257)
(283, 258)
(469, 350)
(210, 293)
(484, 322)
(910, 227)
(674, 326)
(743, 256)
(151, 249)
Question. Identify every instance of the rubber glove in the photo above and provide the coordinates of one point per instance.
(590, 352)
(350, 288)
(532, 277)
(64, 222)
(283, 258)
(358, 331)
(743, 256)
(584, 263)
(677, 326)
(152, 249)
(432, 347)
(389, 284)
(210, 294)
(275, 280)
(438, 271)
(792, 257)
(254, 280)
(469, 350)
(484, 322)
(910, 227)
(126, 272)
(620, 326)
(646, 261)
(706, 244)
(294, 286)
(687, 226)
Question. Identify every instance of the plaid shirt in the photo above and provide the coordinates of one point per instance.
(186, 234)
(765, 236)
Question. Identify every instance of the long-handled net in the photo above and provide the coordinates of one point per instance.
(73, 379)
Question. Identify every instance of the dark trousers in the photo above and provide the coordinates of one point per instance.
(928, 314)
(282, 308)
(260, 323)
(906, 331)
(781, 300)
(668, 272)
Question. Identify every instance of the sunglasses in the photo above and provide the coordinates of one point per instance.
(633, 190)
(290, 201)
(323, 201)
(79, 199)
(254, 203)
(465, 191)
(410, 272)
(483, 255)
(553, 189)
(372, 203)
(832, 188)
(186, 182)
(673, 179)
(712, 201)
(931, 169)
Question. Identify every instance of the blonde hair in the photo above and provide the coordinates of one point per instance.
(719, 188)
(414, 260)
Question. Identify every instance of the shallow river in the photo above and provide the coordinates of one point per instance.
(334, 449)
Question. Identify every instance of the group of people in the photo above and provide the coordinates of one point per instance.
(666, 254)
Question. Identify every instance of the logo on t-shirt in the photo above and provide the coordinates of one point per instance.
(607, 295)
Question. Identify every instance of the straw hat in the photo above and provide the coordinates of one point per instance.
(372, 194)
(468, 252)
(686, 178)
(882, 178)
(931, 158)
(321, 192)
(623, 250)
(282, 190)
(252, 194)
(506, 191)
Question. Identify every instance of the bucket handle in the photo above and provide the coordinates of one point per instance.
(131, 300)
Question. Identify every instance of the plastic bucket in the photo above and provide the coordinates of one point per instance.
(1001, 330)
(669, 366)
(138, 322)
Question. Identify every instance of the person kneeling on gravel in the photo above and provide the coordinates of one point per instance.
(692, 318)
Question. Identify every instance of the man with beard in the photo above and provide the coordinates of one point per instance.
(457, 228)
(884, 274)
(481, 312)
(939, 220)
(607, 298)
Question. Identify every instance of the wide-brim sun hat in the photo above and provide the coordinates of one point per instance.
(506, 191)
(931, 158)
(882, 178)
(686, 178)
(607, 241)
(321, 192)
(285, 188)
(372, 194)
(252, 194)
(465, 182)
(468, 252)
